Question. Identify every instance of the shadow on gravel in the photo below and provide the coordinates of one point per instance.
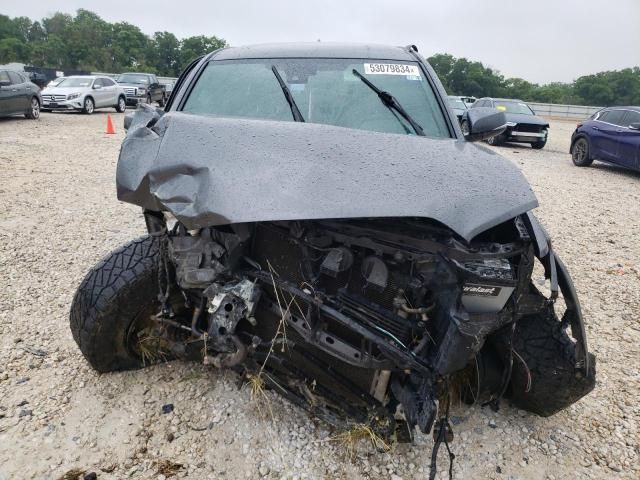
(614, 169)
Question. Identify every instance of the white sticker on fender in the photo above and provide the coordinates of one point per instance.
(391, 69)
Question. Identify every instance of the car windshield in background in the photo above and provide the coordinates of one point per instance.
(457, 103)
(513, 107)
(326, 91)
(130, 78)
(75, 82)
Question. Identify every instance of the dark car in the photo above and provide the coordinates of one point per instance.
(523, 126)
(458, 105)
(610, 135)
(18, 96)
(142, 88)
(317, 222)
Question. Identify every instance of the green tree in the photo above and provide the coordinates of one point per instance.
(166, 54)
(193, 47)
(13, 50)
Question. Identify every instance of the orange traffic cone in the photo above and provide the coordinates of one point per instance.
(110, 130)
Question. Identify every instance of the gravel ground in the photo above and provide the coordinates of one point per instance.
(57, 416)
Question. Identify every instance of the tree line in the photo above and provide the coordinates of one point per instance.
(87, 42)
(461, 76)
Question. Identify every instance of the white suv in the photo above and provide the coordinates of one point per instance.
(84, 93)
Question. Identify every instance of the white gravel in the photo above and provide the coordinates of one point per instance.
(59, 215)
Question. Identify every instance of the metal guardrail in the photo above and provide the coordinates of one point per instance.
(577, 112)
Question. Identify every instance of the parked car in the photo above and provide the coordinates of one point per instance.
(84, 93)
(523, 126)
(18, 96)
(142, 88)
(168, 85)
(468, 101)
(458, 106)
(327, 190)
(610, 135)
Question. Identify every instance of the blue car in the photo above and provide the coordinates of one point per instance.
(610, 135)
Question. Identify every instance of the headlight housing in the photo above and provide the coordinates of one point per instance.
(72, 96)
(141, 91)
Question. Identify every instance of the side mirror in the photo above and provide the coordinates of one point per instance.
(635, 126)
(483, 123)
(97, 87)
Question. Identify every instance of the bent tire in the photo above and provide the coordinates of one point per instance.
(115, 298)
(550, 380)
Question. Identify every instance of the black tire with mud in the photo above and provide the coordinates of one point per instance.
(549, 354)
(539, 145)
(113, 298)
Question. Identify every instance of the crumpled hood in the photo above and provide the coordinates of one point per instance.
(215, 171)
(524, 118)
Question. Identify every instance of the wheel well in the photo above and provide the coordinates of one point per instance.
(578, 137)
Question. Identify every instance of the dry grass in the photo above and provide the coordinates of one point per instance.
(255, 381)
(73, 474)
(168, 468)
(355, 436)
(152, 349)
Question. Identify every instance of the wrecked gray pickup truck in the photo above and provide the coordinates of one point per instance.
(317, 221)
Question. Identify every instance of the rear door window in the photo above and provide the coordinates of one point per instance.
(632, 117)
(15, 78)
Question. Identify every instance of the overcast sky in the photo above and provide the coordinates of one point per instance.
(539, 40)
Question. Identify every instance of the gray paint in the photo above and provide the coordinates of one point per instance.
(214, 171)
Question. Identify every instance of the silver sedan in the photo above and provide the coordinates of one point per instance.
(84, 93)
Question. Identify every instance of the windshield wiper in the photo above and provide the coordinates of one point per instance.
(297, 116)
(391, 103)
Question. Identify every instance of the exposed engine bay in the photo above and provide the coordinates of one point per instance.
(380, 321)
